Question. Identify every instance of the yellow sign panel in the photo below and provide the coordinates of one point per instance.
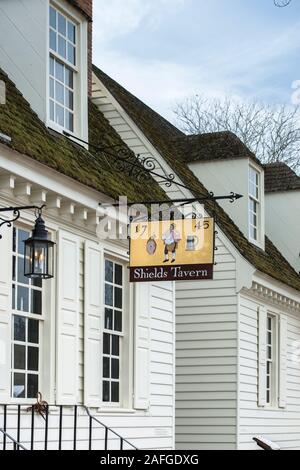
(172, 250)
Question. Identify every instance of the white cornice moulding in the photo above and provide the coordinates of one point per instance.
(267, 294)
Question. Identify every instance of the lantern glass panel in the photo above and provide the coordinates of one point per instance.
(39, 259)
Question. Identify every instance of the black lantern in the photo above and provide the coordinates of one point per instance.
(39, 252)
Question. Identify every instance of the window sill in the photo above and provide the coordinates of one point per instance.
(272, 408)
(116, 411)
(257, 243)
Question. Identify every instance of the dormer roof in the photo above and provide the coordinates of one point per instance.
(280, 177)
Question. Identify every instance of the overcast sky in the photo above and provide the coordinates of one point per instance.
(165, 50)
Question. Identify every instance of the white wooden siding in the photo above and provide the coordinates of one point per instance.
(153, 429)
(206, 359)
(280, 425)
(23, 39)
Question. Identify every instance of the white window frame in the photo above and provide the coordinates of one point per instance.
(40, 318)
(47, 343)
(257, 200)
(273, 361)
(126, 342)
(80, 70)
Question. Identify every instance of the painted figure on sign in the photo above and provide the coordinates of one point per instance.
(171, 238)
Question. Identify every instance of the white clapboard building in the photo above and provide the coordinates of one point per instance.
(237, 336)
(100, 352)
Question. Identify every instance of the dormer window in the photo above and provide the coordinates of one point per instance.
(62, 70)
(254, 204)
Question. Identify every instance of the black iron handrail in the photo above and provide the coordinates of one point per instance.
(16, 445)
(33, 411)
(107, 429)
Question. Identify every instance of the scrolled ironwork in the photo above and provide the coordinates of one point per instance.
(9, 222)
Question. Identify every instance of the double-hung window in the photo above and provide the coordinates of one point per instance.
(62, 69)
(113, 332)
(271, 361)
(26, 324)
(254, 204)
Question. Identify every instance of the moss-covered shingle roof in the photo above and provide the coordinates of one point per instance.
(32, 138)
(162, 135)
(213, 147)
(280, 177)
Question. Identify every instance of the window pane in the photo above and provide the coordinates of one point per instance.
(71, 53)
(268, 396)
(33, 358)
(106, 391)
(19, 386)
(51, 66)
(51, 110)
(269, 337)
(114, 392)
(52, 40)
(62, 24)
(118, 274)
(13, 296)
(69, 78)
(108, 319)
(22, 236)
(14, 268)
(21, 278)
(109, 267)
(23, 299)
(59, 93)
(32, 385)
(52, 18)
(19, 357)
(59, 71)
(51, 88)
(14, 239)
(71, 32)
(33, 331)
(106, 368)
(118, 321)
(106, 343)
(59, 118)
(69, 121)
(69, 99)
(19, 328)
(118, 297)
(62, 47)
(37, 282)
(115, 368)
(115, 350)
(108, 294)
(269, 352)
(36, 302)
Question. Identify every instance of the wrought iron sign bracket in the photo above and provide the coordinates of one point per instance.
(232, 197)
(143, 168)
(15, 214)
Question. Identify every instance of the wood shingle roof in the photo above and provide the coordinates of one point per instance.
(280, 177)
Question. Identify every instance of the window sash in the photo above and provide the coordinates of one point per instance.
(271, 361)
(111, 281)
(63, 37)
(62, 96)
(26, 372)
(254, 203)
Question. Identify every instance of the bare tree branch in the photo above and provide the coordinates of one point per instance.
(282, 3)
(271, 132)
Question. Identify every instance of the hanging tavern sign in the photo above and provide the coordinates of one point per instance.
(173, 250)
